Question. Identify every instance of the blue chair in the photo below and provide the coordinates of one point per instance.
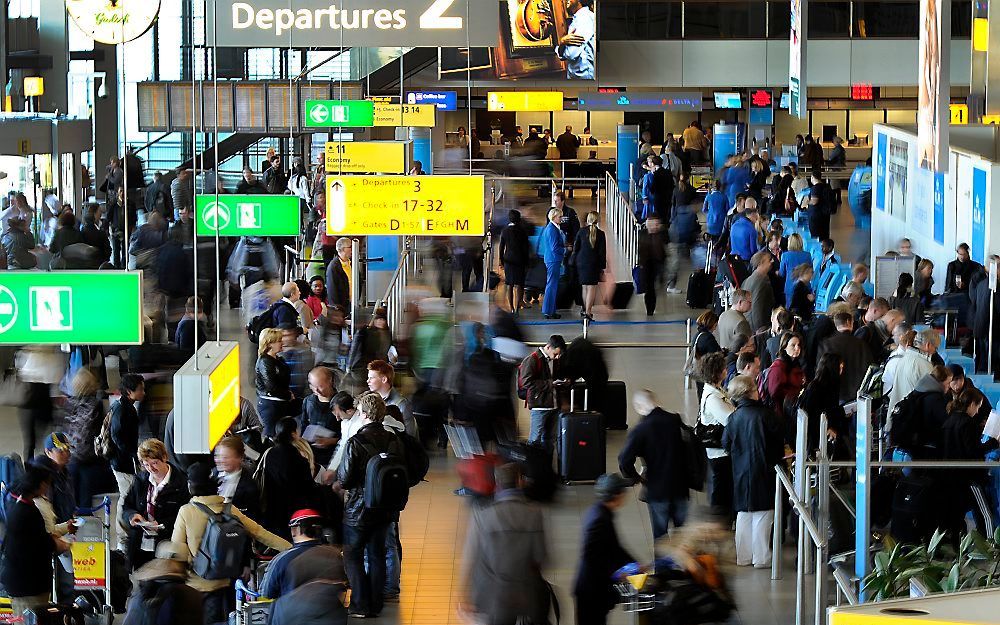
(829, 286)
(992, 392)
(982, 380)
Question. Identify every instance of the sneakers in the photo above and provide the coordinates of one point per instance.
(673, 290)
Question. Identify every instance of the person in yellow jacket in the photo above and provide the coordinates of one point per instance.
(190, 528)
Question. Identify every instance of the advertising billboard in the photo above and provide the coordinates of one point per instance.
(797, 59)
(538, 38)
(933, 114)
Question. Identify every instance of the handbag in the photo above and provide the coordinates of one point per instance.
(710, 435)
(692, 360)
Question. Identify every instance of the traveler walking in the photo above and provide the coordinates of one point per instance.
(514, 255)
(590, 258)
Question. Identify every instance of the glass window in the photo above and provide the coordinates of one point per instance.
(961, 18)
(886, 19)
(778, 20)
(829, 20)
(724, 20)
(625, 21)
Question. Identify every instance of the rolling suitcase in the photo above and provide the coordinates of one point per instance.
(701, 284)
(622, 295)
(613, 404)
(581, 443)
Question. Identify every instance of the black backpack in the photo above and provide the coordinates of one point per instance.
(695, 458)
(417, 461)
(905, 422)
(387, 485)
(223, 546)
(263, 321)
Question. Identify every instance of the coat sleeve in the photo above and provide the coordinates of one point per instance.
(628, 456)
(135, 501)
(260, 534)
(347, 474)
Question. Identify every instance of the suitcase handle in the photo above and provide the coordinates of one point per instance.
(572, 395)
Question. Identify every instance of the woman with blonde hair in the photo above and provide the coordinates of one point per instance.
(272, 378)
(151, 505)
(791, 259)
(590, 258)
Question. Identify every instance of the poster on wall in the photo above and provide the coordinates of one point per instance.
(538, 39)
(933, 113)
(939, 208)
(881, 154)
(978, 243)
(897, 172)
(921, 218)
(797, 59)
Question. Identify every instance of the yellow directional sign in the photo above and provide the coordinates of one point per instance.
(959, 114)
(405, 205)
(524, 100)
(991, 119)
(359, 157)
(404, 114)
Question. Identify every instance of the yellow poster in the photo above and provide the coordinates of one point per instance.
(405, 205)
(359, 157)
(404, 114)
(88, 564)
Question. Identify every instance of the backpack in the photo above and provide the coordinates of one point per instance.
(765, 395)
(220, 554)
(263, 321)
(695, 458)
(525, 368)
(11, 470)
(417, 461)
(387, 486)
(905, 424)
(104, 447)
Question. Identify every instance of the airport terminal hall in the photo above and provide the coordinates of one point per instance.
(499, 312)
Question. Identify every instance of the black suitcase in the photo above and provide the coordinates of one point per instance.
(581, 444)
(56, 614)
(701, 285)
(613, 404)
(623, 295)
(913, 508)
(540, 479)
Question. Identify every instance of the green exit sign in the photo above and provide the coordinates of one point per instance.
(247, 216)
(55, 307)
(327, 113)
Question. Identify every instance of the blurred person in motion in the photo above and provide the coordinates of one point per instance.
(236, 483)
(590, 258)
(191, 332)
(284, 476)
(652, 254)
(682, 234)
(514, 255)
(308, 559)
(83, 417)
(505, 553)
(553, 246)
(39, 367)
(601, 553)
(371, 342)
(93, 232)
(66, 234)
(161, 595)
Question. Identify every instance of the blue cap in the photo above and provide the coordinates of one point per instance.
(57, 440)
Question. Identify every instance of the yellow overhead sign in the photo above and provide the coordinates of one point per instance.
(358, 157)
(223, 396)
(404, 114)
(405, 205)
(524, 101)
(959, 114)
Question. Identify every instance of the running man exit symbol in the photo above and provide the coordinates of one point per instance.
(249, 215)
(51, 308)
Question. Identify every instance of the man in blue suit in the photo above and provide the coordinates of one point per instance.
(743, 234)
(553, 247)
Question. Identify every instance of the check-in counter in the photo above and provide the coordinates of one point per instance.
(977, 607)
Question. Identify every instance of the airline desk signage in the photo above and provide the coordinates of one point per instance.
(358, 157)
(247, 216)
(52, 308)
(640, 101)
(405, 205)
(443, 100)
(332, 24)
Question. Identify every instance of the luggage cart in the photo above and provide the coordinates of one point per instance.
(91, 553)
(250, 608)
(632, 599)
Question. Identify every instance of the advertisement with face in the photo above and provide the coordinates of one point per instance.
(538, 39)
(933, 114)
(796, 60)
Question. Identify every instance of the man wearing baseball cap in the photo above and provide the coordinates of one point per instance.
(63, 500)
(307, 560)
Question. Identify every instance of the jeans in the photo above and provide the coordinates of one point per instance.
(270, 413)
(661, 513)
(542, 428)
(393, 559)
(674, 253)
(552, 273)
(367, 587)
(124, 481)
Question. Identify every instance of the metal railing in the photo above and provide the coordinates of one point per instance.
(623, 227)
(394, 298)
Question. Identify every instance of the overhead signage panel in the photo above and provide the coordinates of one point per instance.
(524, 101)
(358, 157)
(247, 216)
(52, 308)
(640, 101)
(330, 113)
(405, 205)
(326, 24)
(206, 397)
(443, 100)
(404, 115)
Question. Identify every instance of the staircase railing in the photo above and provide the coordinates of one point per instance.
(623, 228)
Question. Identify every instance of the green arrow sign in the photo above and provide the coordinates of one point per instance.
(327, 113)
(247, 216)
(77, 307)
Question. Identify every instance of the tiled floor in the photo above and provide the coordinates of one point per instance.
(433, 525)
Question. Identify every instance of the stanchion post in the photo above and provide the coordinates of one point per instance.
(822, 518)
(778, 528)
(862, 493)
(687, 350)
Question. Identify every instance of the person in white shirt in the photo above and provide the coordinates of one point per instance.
(578, 46)
(907, 371)
(714, 411)
(345, 409)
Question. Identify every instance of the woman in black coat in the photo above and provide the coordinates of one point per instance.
(962, 440)
(285, 479)
(514, 253)
(602, 554)
(822, 395)
(704, 341)
(156, 496)
(272, 378)
(752, 439)
(590, 257)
